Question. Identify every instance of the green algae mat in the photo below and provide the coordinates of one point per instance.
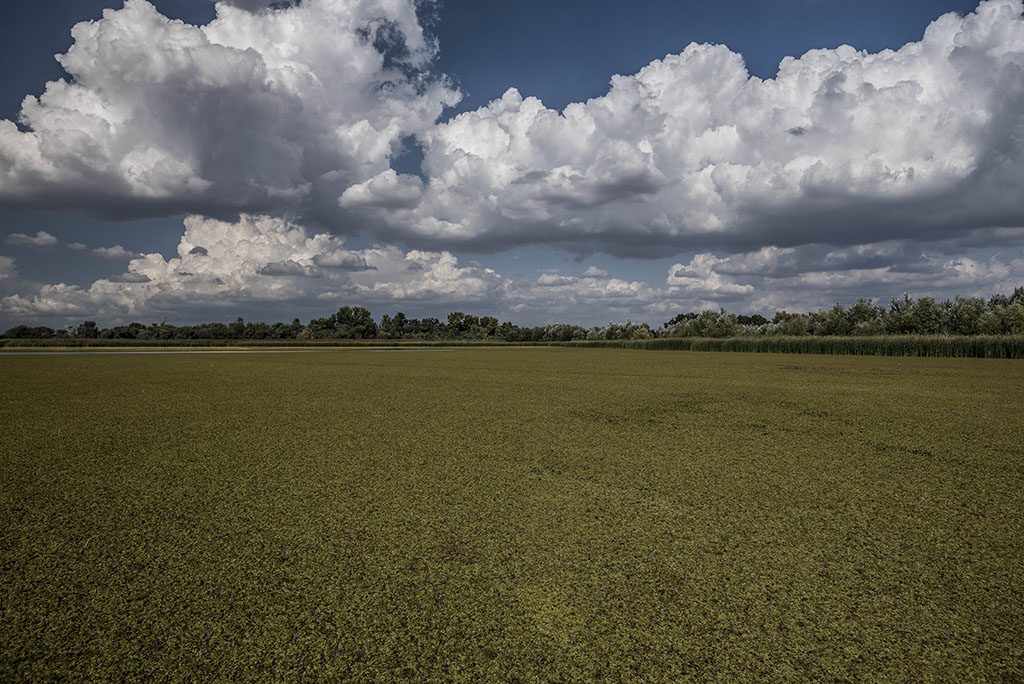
(511, 515)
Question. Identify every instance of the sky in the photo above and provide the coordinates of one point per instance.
(587, 162)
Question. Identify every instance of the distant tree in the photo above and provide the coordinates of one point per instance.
(24, 332)
(900, 319)
(793, 324)
(964, 315)
(488, 327)
(929, 317)
(87, 331)
(561, 332)
(991, 322)
(708, 324)
(997, 315)
(348, 323)
(864, 318)
(1012, 318)
(456, 324)
(132, 331)
(680, 318)
(641, 332)
(832, 321)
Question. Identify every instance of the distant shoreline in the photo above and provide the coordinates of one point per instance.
(980, 346)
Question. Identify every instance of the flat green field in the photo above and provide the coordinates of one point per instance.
(516, 515)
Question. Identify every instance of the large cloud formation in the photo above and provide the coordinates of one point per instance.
(259, 259)
(812, 276)
(849, 174)
(303, 107)
(843, 147)
(276, 110)
(264, 263)
(269, 261)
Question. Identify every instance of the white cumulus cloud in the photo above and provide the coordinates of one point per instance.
(40, 239)
(700, 276)
(842, 146)
(256, 110)
(115, 252)
(260, 259)
(267, 263)
(8, 271)
(847, 174)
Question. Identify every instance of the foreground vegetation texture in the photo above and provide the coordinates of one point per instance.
(511, 515)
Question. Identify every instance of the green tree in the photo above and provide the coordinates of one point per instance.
(456, 324)
(708, 324)
(87, 330)
(928, 318)
(964, 315)
(832, 321)
(791, 323)
(352, 323)
(864, 318)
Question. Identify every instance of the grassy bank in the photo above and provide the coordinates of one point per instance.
(981, 346)
(540, 515)
(242, 344)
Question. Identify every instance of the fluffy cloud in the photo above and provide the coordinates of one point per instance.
(573, 289)
(388, 190)
(276, 109)
(301, 106)
(419, 276)
(11, 281)
(268, 264)
(261, 259)
(595, 297)
(342, 259)
(766, 280)
(813, 276)
(842, 147)
(44, 239)
(40, 239)
(266, 261)
(701, 276)
(8, 272)
(115, 252)
(849, 174)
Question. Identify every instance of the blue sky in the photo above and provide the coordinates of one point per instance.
(644, 234)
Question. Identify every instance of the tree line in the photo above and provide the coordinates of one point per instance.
(998, 315)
